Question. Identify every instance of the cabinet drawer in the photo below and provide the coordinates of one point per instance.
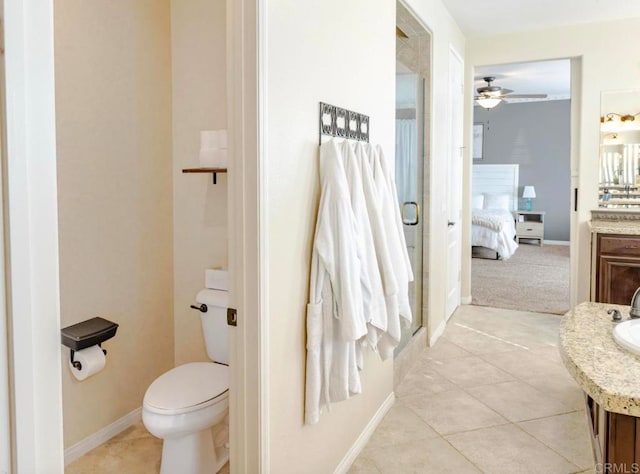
(620, 245)
(530, 229)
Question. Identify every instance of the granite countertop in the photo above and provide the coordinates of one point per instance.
(605, 371)
(629, 227)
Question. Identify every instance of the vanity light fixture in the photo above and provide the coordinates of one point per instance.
(607, 118)
(613, 121)
(611, 139)
(488, 102)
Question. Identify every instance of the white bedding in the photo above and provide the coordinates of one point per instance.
(494, 229)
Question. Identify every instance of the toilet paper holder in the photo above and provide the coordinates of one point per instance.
(88, 333)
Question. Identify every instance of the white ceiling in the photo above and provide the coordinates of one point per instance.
(494, 17)
(542, 77)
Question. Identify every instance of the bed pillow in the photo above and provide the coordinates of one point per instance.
(477, 201)
(496, 201)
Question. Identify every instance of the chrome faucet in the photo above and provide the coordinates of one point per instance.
(617, 315)
(634, 312)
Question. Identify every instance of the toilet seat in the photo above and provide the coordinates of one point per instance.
(187, 388)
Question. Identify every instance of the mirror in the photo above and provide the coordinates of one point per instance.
(619, 149)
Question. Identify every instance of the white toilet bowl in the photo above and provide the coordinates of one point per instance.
(181, 407)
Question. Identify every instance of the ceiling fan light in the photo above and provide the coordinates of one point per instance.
(488, 102)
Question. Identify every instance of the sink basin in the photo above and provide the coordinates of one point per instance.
(627, 334)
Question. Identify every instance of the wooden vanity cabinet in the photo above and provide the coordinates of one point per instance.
(615, 438)
(617, 268)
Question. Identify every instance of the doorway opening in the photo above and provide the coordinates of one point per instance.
(521, 186)
(413, 83)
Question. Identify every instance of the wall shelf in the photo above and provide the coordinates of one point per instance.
(213, 171)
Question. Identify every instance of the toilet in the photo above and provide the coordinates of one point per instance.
(187, 404)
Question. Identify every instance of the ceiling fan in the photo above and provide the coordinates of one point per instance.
(490, 96)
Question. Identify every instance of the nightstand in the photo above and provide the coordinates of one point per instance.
(529, 225)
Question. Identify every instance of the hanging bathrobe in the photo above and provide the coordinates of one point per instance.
(390, 209)
(386, 342)
(372, 292)
(335, 315)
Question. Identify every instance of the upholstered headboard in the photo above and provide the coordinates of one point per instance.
(497, 179)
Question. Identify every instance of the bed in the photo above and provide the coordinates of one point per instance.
(494, 198)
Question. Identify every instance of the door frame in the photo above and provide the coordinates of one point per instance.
(33, 245)
(574, 153)
(5, 411)
(249, 341)
(31, 225)
(427, 162)
(32, 250)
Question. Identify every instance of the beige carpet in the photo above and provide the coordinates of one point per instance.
(533, 279)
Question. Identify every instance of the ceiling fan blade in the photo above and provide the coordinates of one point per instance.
(489, 94)
(505, 91)
(526, 96)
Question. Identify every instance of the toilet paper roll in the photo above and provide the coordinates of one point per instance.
(213, 158)
(92, 360)
(213, 140)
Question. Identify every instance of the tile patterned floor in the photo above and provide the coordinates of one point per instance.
(492, 396)
(134, 451)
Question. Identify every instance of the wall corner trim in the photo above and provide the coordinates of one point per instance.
(437, 333)
(366, 434)
(101, 436)
(465, 300)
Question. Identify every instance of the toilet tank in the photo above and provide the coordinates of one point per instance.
(214, 324)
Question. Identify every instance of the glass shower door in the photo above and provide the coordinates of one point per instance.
(409, 168)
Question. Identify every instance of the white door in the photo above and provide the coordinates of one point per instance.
(454, 192)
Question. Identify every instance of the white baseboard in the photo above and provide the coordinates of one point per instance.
(366, 434)
(99, 437)
(557, 242)
(465, 299)
(437, 333)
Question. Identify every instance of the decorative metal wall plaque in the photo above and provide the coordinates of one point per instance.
(339, 122)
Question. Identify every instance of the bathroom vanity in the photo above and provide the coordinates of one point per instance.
(610, 377)
(615, 225)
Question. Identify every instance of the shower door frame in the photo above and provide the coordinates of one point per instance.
(426, 110)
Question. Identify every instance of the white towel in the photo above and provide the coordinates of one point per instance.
(213, 158)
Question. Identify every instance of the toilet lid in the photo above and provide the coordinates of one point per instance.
(187, 386)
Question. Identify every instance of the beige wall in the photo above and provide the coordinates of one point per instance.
(609, 62)
(200, 208)
(113, 101)
(331, 57)
(336, 52)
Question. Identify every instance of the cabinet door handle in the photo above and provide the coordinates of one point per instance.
(631, 247)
